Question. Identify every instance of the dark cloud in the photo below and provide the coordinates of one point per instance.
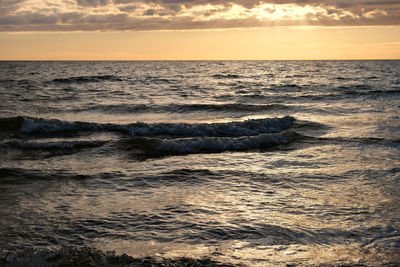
(128, 8)
(115, 15)
(244, 3)
(149, 12)
(8, 6)
(92, 3)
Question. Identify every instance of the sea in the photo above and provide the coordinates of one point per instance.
(235, 163)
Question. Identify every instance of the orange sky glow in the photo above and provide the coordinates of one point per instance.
(198, 30)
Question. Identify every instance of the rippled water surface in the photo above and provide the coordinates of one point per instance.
(251, 162)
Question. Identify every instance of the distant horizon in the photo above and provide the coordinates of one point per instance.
(182, 60)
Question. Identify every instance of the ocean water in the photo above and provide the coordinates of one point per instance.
(258, 163)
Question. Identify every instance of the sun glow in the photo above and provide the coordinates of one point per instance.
(264, 12)
(283, 12)
(270, 43)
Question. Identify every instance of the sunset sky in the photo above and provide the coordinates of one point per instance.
(203, 29)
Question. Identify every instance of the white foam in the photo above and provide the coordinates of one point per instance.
(244, 128)
(220, 144)
(58, 145)
(31, 125)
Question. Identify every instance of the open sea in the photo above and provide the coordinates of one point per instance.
(250, 163)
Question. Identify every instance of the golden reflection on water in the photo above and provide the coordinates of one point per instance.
(306, 255)
(235, 206)
(303, 199)
(259, 254)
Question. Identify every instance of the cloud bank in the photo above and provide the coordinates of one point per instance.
(135, 15)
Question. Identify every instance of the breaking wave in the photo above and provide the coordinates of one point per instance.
(153, 147)
(226, 76)
(87, 256)
(53, 127)
(53, 145)
(221, 144)
(180, 108)
(141, 140)
(87, 79)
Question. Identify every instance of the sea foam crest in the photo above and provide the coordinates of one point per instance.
(221, 144)
(33, 125)
(242, 128)
(55, 145)
(87, 79)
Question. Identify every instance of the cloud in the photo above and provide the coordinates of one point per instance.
(116, 15)
(92, 3)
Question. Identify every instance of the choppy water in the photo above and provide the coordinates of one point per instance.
(249, 162)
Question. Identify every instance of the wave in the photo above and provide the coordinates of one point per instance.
(222, 144)
(32, 150)
(89, 256)
(372, 92)
(147, 140)
(354, 88)
(226, 76)
(362, 140)
(154, 79)
(229, 107)
(61, 145)
(87, 79)
(153, 147)
(305, 139)
(53, 127)
(11, 124)
(24, 176)
(15, 81)
(285, 87)
(129, 108)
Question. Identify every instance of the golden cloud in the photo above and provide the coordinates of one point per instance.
(111, 15)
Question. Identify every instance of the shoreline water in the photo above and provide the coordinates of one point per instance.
(373, 255)
(91, 257)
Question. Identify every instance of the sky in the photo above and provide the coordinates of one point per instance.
(199, 30)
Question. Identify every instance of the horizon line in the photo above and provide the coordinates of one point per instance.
(133, 60)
